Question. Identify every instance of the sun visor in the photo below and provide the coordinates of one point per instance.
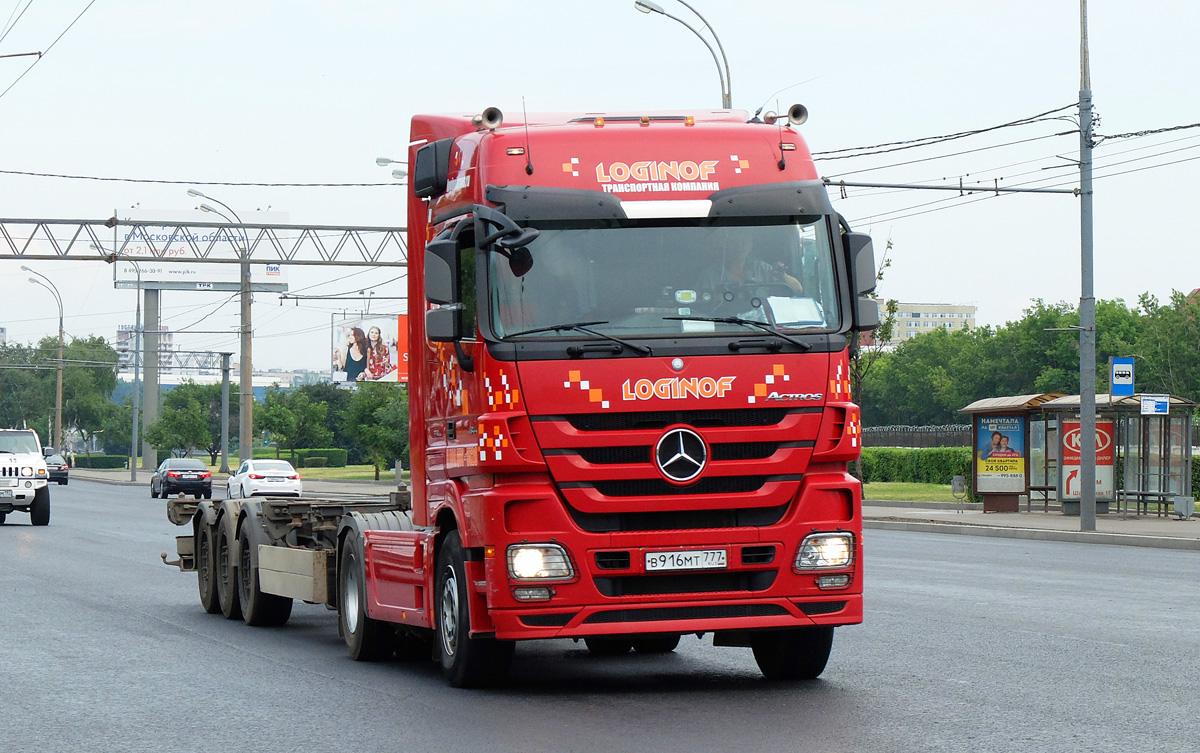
(807, 197)
(525, 203)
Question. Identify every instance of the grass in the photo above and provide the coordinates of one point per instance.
(896, 491)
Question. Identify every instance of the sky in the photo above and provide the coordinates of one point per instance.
(255, 91)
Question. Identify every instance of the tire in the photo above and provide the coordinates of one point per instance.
(153, 494)
(656, 644)
(606, 646)
(3, 515)
(228, 492)
(366, 639)
(242, 493)
(196, 495)
(466, 662)
(206, 576)
(226, 572)
(39, 509)
(799, 654)
(208, 493)
(258, 609)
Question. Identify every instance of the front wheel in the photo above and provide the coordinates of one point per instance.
(656, 644)
(366, 639)
(606, 646)
(466, 661)
(258, 609)
(205, 569)
(39, 509)
(799, 654)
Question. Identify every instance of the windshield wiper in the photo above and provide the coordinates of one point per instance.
(583, 327)
(746, 322)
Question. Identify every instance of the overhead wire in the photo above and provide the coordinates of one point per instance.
(8, 26)
(47, 50)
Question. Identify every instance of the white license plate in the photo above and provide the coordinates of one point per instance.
(189, 475)
(6, 493)
(276, 479)
(692, 559)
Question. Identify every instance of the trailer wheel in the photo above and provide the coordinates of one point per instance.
(39, 509)
(226, 571)
(466, 661)
(656, 644)
(258, 609)
(798, 654)
(367, 639)
(205, 567)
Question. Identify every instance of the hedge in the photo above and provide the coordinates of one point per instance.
(336, 456)
(922, 465)
(315, 461)
(102, 461)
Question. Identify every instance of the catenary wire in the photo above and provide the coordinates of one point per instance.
(47, 50)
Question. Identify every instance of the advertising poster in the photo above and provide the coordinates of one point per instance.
(371, 349)
(1071, 449)
(1000, 454)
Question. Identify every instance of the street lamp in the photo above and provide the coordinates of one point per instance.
(398, 173)
(646, 6)
(137, 361)
(246, 368)
(48, 285)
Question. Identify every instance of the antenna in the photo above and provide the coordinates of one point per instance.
(779, 125)
(528, 156)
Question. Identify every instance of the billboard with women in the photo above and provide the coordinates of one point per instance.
(371, 349)
(1000, 454)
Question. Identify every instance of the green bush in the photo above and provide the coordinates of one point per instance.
(314, 461)
(922, 465)
(335, 457)
(102, 461)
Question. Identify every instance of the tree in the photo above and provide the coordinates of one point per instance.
(209, 398)
(377, 418)
(338, 400)
(179, 430)
(293, 420)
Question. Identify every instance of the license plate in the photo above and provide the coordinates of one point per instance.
(275, 479)
(6, 493)
(190, 476)
(692, 559)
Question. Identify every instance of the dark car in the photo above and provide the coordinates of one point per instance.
(186, 475)
(58, 467)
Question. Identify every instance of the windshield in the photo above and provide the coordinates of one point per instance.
(273, 465)
(19, 442)
(655, 280)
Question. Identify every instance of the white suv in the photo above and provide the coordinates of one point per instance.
(23, 476)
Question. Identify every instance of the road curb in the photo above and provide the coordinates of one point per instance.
(1036, 534)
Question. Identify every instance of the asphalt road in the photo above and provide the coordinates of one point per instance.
(969, 644)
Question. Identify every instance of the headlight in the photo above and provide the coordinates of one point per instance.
(27, 470)
(539, 562)
(825, 551)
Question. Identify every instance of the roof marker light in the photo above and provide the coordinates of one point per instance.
(645, 120)
(599, 122)
(690, 120)
(515, 151)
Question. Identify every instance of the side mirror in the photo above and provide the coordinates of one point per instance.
(444, 324)
(441, 271)
(520, 261)
(866, 313)
(860, 254)
(431, 173)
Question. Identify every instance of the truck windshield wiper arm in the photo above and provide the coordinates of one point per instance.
(745, 322)
(583, 327)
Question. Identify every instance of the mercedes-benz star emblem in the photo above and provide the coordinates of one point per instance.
(680, 455)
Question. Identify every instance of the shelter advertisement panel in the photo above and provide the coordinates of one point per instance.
(371, 349)
(1000, 454)
(1072, 447)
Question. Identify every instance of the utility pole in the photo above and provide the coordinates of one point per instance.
(225, 412)
(1087, 300)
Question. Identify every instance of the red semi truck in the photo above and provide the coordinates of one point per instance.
(630, 407)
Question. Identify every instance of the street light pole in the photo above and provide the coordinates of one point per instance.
(48, 285)
(647, 6)
(246, 367)
(1087, 299)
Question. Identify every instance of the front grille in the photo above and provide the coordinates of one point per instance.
(677, 520)
(822, 607)
(612, 560)
(685, 583)
(645, 454)
(663, 419)
(715, 612)
(547, 620)
(10, 471)
(652, 487)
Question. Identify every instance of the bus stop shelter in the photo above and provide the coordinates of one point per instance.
(1143, 451)
(1009, 450)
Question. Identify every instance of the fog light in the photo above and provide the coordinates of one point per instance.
(28, 484)
(825, 551)
(532, 593)
(539, 562)
(833, 581)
